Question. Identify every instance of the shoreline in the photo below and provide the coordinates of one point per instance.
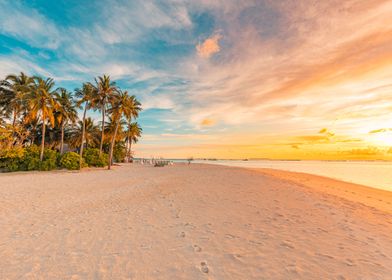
(368, 195)
(370, 174)
(197, 221)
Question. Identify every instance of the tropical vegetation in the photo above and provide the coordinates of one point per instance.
(44, 127)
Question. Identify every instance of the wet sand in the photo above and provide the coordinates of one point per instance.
(191, 222)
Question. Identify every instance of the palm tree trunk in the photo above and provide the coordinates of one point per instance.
(62, 138)
(34, 133)
(13, 127)
(102, 129)
(128, 146)
(41, 156)
(112, 145)
(130, 150)
(127, 154)
(83, 132)
(14, 121)
(129, 141)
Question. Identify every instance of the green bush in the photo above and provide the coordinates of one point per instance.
(70, 161)
(50, 160)
(93, 158)
(31, 159)
(27, 159)
(11, 159)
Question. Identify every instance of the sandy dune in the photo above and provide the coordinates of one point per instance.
(191, 222)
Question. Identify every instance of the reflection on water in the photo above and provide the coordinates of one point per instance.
(373, 174)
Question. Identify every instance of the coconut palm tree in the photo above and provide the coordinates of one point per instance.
(105, 89)
(5, 96)
(41, 103)
(121, 104)
(90, 134)
(32, 125)
(87, 96)
(110, 127)
(14, 91)
(134, 132)
(66, 112)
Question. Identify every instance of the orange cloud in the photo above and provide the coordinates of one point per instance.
(209, 47)
(325, 131)
(207, 122)
(380, 130)
(369, 151)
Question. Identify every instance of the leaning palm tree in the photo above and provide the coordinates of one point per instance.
(134, 132)
(87, 96)
(105, 89)
(66, 112)
(110, 127)
(41, 102)
(122, 104)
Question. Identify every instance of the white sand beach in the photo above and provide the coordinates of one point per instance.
(191, 222)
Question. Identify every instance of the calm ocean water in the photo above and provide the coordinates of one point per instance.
(373, 174)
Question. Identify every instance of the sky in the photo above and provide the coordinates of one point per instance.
(300, 79)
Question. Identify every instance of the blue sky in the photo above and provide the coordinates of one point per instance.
(140, 44)
(220, 78)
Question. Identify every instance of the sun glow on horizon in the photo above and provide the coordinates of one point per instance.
(382, 139)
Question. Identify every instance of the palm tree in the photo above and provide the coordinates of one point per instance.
(90, 134)
(133, 133)
(122, 104)
(87, 96)
(105, 89)
(5, 97)
(110, 127)
(65, 113)
(14, 91)
(42, 102)
(31, 124)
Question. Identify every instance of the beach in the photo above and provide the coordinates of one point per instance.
(196, 221)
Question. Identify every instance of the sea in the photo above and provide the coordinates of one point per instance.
(376, 174)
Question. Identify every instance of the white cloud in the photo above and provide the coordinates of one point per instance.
(127, 21)
(27, 24)
(159, 101)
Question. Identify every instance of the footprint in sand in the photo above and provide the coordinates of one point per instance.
(325, 256)
(230, 236)
(349, 262)
(182, 234)
(287, 245)
(177, 213)
(196, 248)
(204, 267)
